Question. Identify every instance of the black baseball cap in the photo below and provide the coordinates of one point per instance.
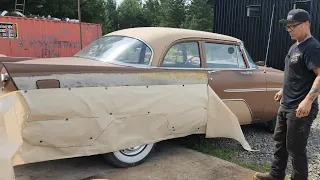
(297, 15)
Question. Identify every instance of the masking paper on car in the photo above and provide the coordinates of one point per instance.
(221, 122)
(71, 122)
(10, 136)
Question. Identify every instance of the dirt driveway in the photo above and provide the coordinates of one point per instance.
(169, 161)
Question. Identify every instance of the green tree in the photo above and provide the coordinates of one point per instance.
(93, 11)
(151, 11)
(172, 13)
(7, 5)
(131, 15)
(199, 16)
(54, 8)
(111, 22)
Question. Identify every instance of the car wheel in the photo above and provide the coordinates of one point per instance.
(129, 157)
(271, 125)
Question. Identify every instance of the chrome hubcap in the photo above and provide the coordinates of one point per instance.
(133, 150)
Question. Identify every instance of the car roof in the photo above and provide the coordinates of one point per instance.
(154, 34)
(162, 37)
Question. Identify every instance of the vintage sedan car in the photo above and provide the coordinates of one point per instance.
(134, 87)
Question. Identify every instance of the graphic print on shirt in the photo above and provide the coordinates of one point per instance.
(295, 57)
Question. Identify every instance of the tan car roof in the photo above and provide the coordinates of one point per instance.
(153, 34)
(161, 37)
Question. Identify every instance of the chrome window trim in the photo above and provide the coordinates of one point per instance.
(246, 57)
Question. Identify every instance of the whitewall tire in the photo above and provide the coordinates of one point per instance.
(129, 157)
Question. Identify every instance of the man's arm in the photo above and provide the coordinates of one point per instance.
(313, 63)
(315, 89)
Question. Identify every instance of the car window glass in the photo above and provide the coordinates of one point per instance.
(183, 55)
(118, 49)
(250, 61)
(223, 56)
(241, 62)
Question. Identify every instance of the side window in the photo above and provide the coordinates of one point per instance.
(241, 62)
(138, 54)
(183, 55)
(223, 56)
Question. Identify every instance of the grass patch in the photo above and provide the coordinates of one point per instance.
(227, 154)
(207, 147)
(255, 166)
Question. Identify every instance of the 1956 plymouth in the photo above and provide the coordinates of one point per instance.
(130, 89)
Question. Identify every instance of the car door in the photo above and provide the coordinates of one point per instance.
(241, 87)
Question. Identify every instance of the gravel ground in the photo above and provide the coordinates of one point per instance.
(260, 139)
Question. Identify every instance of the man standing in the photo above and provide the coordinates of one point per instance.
(299, 99)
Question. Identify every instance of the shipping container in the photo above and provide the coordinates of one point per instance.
(43, 38)
(256, 22)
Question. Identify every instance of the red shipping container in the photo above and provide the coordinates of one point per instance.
(41, 38)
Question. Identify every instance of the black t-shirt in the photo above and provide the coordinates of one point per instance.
(298, 73)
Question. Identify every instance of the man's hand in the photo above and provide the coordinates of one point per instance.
(303, 108)
(278, 96)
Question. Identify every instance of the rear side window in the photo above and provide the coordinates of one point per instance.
(183, 55)
(223, 56)
(118, 50)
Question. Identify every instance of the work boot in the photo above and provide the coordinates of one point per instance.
(265, 176)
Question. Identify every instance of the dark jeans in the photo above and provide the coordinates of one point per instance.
(291, 136)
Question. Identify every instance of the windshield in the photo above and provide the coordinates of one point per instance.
(117, 50)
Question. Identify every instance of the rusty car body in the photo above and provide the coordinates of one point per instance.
(149, 59)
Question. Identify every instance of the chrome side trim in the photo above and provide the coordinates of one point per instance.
(274, 89)
(230, 69)
(224, 100)
(175, 68)
(246, 90)
(209, 69)
(253, 90)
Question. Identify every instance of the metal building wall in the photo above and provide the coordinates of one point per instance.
(315, 13)
(44, 38)
(230, 19)
(280, 41)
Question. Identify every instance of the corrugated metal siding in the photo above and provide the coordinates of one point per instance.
(230, 19)
(280, 40)
(47, 38)
(315, 13)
